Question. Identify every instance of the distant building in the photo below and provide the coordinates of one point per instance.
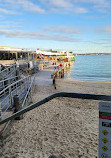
(52, 54)
(11, 53)
(45, 54)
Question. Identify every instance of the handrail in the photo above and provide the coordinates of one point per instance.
(6, 73)
(8, 67)
(12, 84)
(55, 95)
(8, 79)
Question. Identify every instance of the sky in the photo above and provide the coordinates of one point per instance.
(81, 26)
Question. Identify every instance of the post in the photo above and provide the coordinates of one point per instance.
(63, 72)
(16, 88)
(59, 74)
(54, 82)
(24, 84)
(14, 66)
(0, 112)
(17, 106)
(17, 71)
(30, 95)
(7, 73)
(10, 96)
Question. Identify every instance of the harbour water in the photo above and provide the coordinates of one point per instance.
(90, 68)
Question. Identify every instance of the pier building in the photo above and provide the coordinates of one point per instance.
(9, 54)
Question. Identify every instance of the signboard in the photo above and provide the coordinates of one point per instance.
(105, 130)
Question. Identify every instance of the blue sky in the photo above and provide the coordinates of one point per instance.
(81, 26)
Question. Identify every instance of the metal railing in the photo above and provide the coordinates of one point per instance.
(28, 97)
(19, 88)
(7, 82)
(8, 72)
(55, 95)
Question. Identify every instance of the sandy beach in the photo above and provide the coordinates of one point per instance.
(64, 127)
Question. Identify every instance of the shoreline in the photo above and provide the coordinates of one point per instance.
(91, 81)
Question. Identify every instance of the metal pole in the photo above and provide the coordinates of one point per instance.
(0, 112)
(28, 83)
(7, 73)
(10, 97)
(30, 95)
(21, 87)
(3, 85)
(14, 66)
(16, 88)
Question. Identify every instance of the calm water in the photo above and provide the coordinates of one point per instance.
(91, 67)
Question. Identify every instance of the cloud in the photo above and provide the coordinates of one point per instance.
(97, 43)
(57, 3)
(36, 35)
(8, 24)
(103, 6)
(77, 6)
(62, 29)
(6, 11)
(63, 6)
(26, 5)
(60, 3)
(59, 6)
(81, 10)
(106, 29)
(107, 40)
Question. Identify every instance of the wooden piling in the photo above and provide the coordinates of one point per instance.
(17, 106)
(54, 82)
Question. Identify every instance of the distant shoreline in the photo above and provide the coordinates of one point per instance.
(94, 54)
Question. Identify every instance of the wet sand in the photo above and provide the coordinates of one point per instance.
(65, 127)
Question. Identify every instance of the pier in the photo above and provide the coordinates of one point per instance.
(18, 77)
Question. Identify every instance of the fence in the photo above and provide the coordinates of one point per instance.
(61, 94)
(8, 72)
(19, 88)
(28, 97)
(7, 82)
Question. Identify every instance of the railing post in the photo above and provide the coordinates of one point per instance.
(15, 68)
(21, 87)
(7, 73)
(17, 71)
(30, 94)
(16, 88)
(24, 84)
(28, 83)
(17, 106)
(10, 97)
(0, 112)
